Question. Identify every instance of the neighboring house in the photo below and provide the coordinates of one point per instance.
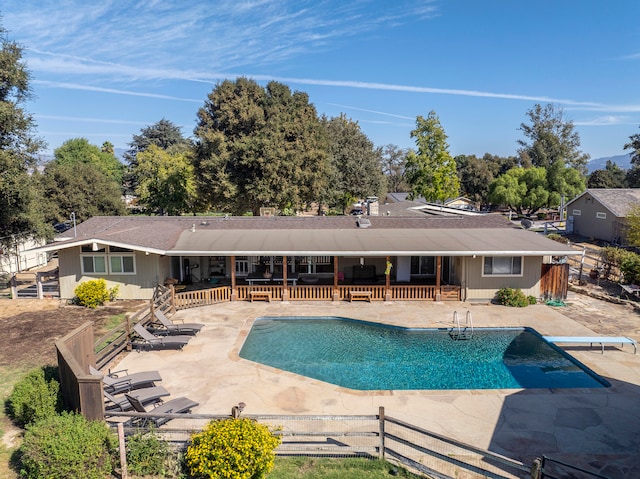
(600, 213)
(22, 257)
(462, 203)
(453, 257)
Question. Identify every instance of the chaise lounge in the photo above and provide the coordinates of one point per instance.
(181, 405)
(117, 382)
(152, 395)
(170, 327)
(150, 340)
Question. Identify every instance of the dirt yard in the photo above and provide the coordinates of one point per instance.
(29, 328)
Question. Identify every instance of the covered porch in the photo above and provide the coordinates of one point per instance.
(318, 278)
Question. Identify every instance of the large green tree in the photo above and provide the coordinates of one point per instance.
(84, 180)
(527, 190)
(20, 208)
(79, 150)
(259, 147)
(82, 189)
(166, 181)
(163, 134)
(394, 160)
(356, 165)
(612, 176)
(551, 140)
(431, 171)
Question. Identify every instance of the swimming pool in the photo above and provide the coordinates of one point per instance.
(370, 356)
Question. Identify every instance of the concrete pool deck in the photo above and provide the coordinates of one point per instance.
(595, 428)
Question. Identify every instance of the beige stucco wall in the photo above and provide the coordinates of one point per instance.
(151, 270)
(485, 287)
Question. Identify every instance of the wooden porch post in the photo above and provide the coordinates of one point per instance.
(234, 292)
(336, 294)
(285, 286)
(387, 281)
(438, 273)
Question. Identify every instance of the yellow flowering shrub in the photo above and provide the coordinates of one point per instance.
(232, 449)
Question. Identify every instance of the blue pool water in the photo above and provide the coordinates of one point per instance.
(370, 356)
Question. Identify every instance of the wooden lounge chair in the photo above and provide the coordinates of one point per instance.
(181, 405)
(120, 381)
(152, 395)
(150, 340)
(172, 328)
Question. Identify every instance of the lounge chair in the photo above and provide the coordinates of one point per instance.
(171, 327)
(181, 405)
(152, 395)
(150, 340)
(119, 381)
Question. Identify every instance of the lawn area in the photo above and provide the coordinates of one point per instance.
(325, 468)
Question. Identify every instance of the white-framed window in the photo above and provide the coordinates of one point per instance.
(101, 260)
(601, 216)
(577, 212)
(502, 266)
(94, 264)
(124, 264)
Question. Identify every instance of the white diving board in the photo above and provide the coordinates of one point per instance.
(602, 340)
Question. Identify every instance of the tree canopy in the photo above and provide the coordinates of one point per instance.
(527, 190)
(551, 140)
(84, 180)
(80, 188)
(611, 177)
(21, 214)
(166, 181)
(356, 169)
(259, 147)
(79, 150)
(431, 171)
(394, 161)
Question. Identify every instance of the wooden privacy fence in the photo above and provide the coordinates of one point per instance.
(554, 281)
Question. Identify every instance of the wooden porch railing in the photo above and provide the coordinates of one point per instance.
(202, 297)
(221, 294)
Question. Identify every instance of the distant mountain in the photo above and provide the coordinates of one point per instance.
(623, 162)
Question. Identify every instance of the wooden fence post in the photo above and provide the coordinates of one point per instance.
(123, 451)
(381, 454)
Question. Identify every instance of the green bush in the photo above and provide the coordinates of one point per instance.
(35, 396)
(94, 293)
(233, 449)
(147, 454)
(67, 445)
(512, 297)
(532, 299)
(626, 261)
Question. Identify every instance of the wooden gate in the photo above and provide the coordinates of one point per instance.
(554, 281)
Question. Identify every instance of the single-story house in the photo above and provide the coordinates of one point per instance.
(600, 213)
(442, 257)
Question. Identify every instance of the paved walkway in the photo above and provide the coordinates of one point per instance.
(597, 428)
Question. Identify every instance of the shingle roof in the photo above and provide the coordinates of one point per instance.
(340, 235)
(619, 201)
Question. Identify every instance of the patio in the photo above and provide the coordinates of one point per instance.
(579, 426)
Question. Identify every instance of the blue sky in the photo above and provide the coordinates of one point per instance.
(103, 70)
